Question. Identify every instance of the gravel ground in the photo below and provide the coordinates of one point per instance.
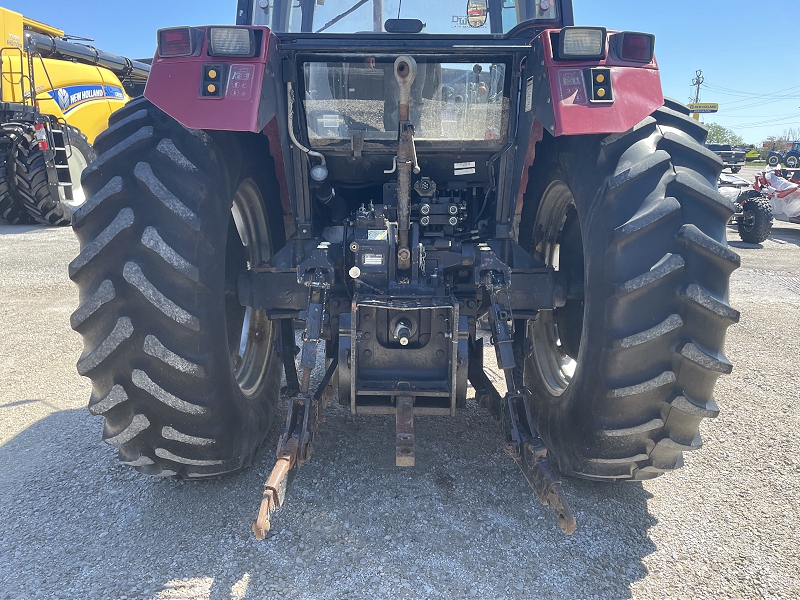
(462, 524)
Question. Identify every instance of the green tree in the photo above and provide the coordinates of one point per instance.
(717, 134)
(784, 141)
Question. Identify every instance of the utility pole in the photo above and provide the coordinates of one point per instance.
(697, 82)
(377, 15)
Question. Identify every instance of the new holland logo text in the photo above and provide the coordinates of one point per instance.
(86, 95)
(72, 96)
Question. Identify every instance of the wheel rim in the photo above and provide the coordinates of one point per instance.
(555, 366)
(77, 162)
(791, 162)
(250, 332)
(772, 161)
(558, 245)
(748, 220)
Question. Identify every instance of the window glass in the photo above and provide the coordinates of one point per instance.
(449, 101)
(354, 16)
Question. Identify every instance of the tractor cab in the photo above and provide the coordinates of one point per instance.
(446, 17)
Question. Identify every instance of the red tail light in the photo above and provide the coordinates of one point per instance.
(637, 47)
(175, 42)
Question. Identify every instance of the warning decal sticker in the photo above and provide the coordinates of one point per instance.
(572, 85)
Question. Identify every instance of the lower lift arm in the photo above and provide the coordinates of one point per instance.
(513, 411)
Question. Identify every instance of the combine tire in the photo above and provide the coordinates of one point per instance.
(186, 378)
(622, 375)
(79, 154)
(36, 195)
(756, 218)
(10, 209)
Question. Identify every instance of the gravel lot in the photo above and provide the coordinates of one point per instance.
(76, 524)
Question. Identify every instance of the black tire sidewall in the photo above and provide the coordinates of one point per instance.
(80, 143)
(563, 420)
(261, 408)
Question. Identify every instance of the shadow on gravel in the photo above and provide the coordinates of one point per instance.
(745, 245)
(17, 229)
(785, 234)
(77, 524)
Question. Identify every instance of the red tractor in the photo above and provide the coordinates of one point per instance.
(383, 177)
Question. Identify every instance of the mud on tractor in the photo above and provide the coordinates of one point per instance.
(56, 94)
(384, 183)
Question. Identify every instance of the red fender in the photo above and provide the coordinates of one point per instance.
(636, 87)
(174, 86)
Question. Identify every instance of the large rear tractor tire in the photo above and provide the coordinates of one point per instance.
(186, 378)
(44, 203)
(622, 376)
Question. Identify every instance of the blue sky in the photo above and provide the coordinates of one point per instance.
(758, 94)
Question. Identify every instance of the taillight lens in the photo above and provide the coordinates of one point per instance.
(175, 42)
(637, 47)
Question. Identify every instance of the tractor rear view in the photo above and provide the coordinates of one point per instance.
(55, 97)
(384, 183)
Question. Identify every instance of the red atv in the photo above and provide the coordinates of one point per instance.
(782, 187)
(753, 217)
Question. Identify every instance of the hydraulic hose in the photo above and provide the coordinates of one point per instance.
(295, 141)
(53, 47)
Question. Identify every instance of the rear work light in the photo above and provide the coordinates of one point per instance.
(231, 41)
(637, 47)
(175, 42)
(582, 43)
